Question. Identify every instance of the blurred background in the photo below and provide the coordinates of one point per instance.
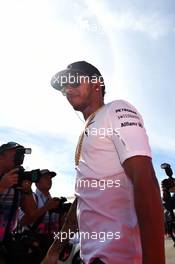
(131, 42)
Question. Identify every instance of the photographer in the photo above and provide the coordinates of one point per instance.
(11, 155)
(168, 187)
(41, 207)
(43, 215)
(168, 190)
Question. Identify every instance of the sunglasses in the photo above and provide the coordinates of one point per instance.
(74, 84)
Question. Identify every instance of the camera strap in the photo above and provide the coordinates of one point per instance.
(39, 220)
(49, 223)
(13, 208)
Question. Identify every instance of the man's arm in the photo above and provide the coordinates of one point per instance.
(31, 211)
(148, 208)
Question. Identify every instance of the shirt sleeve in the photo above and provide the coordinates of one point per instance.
(129, 135)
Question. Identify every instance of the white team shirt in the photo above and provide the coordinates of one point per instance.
(106, 214)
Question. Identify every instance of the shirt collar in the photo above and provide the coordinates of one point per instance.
(38, 192)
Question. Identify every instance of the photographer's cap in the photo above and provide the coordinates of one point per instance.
(14, 145)
(79, 67)
(46, 171)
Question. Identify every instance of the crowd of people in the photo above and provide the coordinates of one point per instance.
(26, 216)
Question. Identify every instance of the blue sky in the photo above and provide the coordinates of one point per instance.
(131, 42)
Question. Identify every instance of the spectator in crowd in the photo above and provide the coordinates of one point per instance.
(43, 214)
(11, 156)
(168, 191)
(41, 207)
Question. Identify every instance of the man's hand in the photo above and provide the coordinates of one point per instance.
(9, 179)
(52, 203)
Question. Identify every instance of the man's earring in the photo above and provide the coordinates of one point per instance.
(97, 89)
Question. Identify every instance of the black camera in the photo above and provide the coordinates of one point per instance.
(63, 207)
(33, 175)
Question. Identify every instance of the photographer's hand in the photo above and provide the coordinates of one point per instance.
(52, 203)
(9, 179)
